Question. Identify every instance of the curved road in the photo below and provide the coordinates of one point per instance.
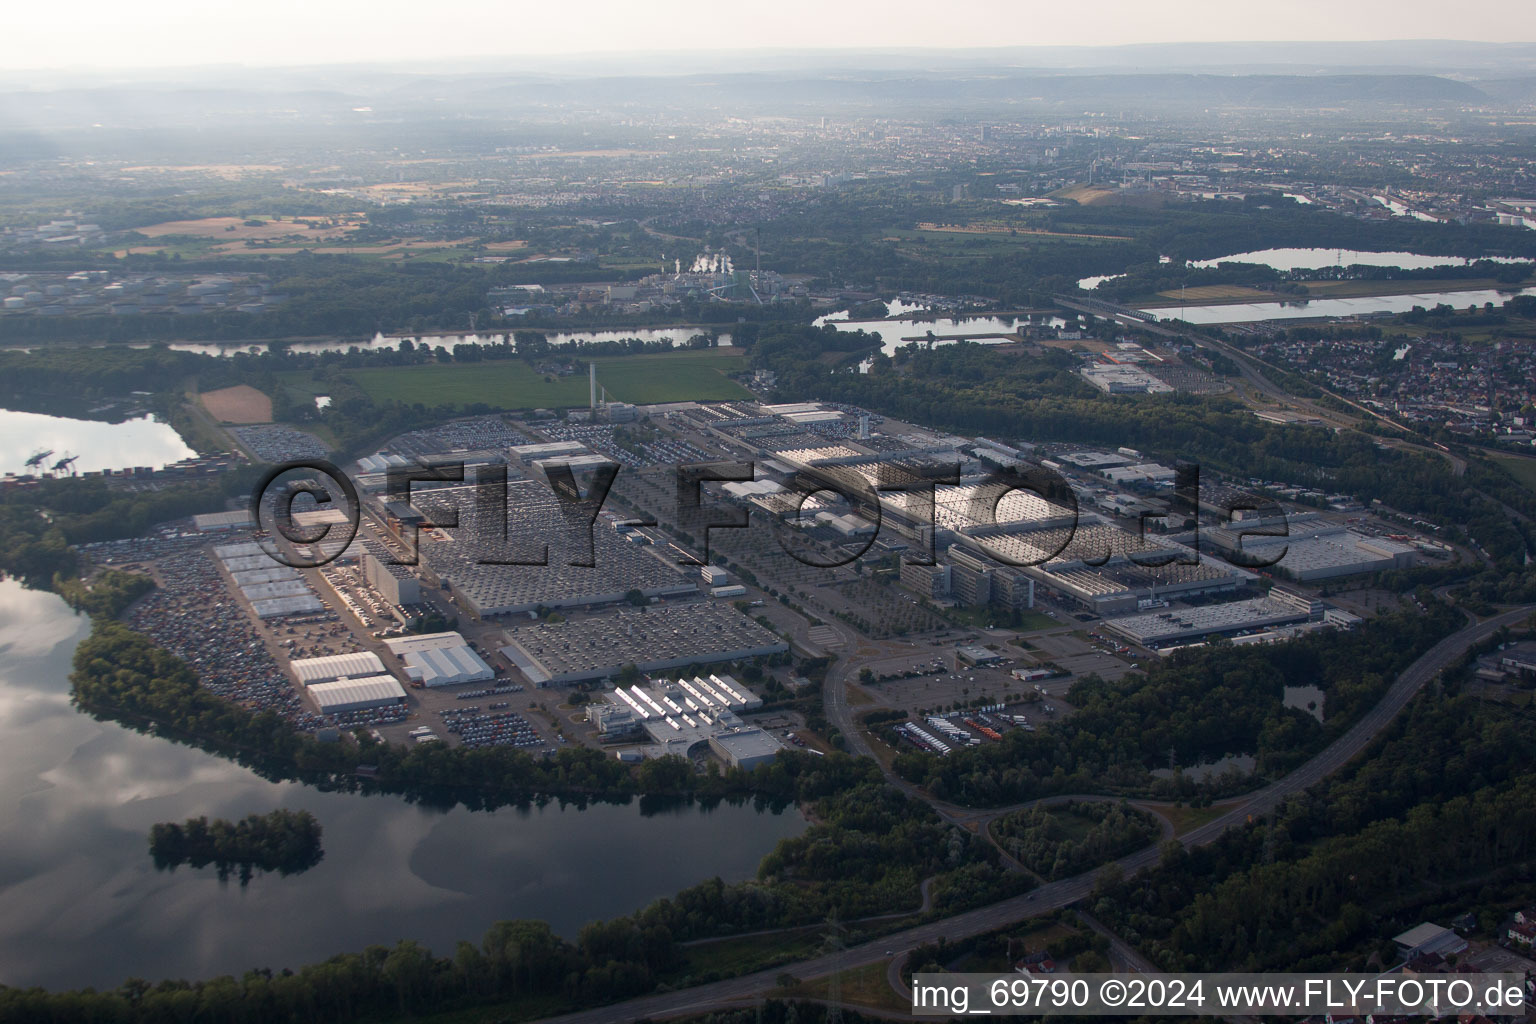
(1068, 891)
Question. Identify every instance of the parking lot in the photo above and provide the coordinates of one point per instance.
(1083, 657)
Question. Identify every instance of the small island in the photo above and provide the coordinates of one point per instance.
(284, 841)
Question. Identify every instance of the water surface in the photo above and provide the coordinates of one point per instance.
(84, 904)
(141, 441)
(1243, 312)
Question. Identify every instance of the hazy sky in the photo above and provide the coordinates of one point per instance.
(147, 33)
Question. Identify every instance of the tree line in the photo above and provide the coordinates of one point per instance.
(284, 841)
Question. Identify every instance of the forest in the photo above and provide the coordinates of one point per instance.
(1436, 819)
(1057, 841)
(1191, 708)
(284, 841)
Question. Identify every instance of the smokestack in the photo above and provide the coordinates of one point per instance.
(592, 382)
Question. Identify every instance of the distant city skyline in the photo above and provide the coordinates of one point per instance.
(98, 35)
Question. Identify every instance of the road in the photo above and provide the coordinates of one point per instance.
(1068, 891)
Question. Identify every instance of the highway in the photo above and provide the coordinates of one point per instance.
(1068, 891)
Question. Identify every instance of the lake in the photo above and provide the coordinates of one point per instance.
(84, 904)
(1316, 259)
(1243, 312)
(1305, 698)
(981, 328)
(679, 336)
(141, 441)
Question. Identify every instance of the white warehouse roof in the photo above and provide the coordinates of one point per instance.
(356, 665)
(276, 607)
(223, 520)
(401, 645)
(357, 694)
(446, 666)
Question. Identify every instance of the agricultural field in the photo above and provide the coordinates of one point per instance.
(236, 233)
(1522, 468)
(994, 229)
(239, 404)
(513, 384)
(1219, 292)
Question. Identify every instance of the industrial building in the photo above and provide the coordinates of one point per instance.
(1116, 379)
(612, 720)
(361, 694)
(282, 588)
(527, 454)
(1169, 625)
(974, 655)
(272, 575)
(1106, 570)
(652, 639)
(1313, 549)
(395, 583)
(679, 715)
(278, 607)
(273, 590)
(745, 748)
(211, 521)
(474, 561)
(1429, 938)
(439, 659)
(356, 665)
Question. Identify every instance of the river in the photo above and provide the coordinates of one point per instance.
(84, 904)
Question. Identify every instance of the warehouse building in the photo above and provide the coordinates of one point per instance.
(745, 748)
(244, 563)
(527, 454)
(362, 694)
(1169, 625)
(356, 665)
(281, 588)
(278, 607)
(209, 522)
(653, 640)
(439, 659)
(1317, 551)
(273, 575)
